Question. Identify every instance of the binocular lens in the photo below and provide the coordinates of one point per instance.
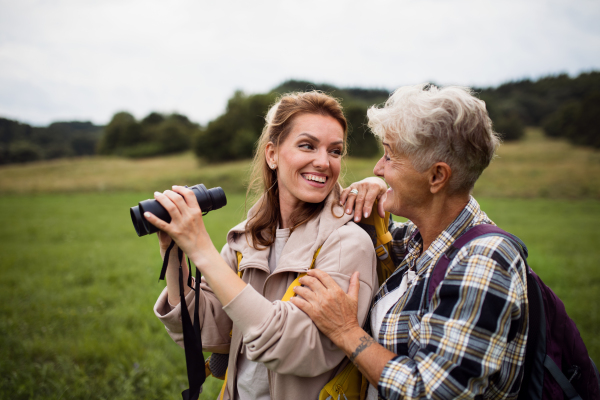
(208, 200)
(136, 218)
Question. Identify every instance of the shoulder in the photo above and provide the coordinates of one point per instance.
(497, 247)
(352, 235)
(346, 250)
(494, 253)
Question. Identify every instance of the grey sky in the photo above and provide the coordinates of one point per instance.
(85, 60)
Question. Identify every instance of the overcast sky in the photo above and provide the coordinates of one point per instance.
(85, 60)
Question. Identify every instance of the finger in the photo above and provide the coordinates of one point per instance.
(326, 280)
(351, 197)
(380, 202)
(157, 222)
(314, 284)
(188, 196)
(305, 293)
(168, 204)
(302, 305)
(370, 197)
(344, 194)
(176, 199)
(354, 286)
(359, 205)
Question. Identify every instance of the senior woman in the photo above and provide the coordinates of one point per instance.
(468, 340)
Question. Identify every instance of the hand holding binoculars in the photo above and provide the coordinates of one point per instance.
(208, 200)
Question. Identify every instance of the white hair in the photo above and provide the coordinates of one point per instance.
(431, 125)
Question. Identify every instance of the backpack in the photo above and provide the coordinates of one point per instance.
(557, 363)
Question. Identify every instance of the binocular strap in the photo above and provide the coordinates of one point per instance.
(192, 339)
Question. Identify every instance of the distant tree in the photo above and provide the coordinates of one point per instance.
(24, 151)
(232, 136)
(155, 135)
(361, 142)
(563, 122)
(577, 121)
(11, 131)
(84, 145)
(509, 127)
(153, 118)
(174, 134)
(589, 122)
(122, 131)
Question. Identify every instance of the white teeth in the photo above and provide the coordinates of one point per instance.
(320, 179)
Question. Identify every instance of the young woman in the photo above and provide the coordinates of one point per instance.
(275, 350)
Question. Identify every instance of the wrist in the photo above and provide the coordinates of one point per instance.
(345, 337)
(202, 258)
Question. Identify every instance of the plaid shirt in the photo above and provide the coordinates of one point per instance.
(469, 341)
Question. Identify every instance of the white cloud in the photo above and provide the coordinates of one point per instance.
(85, 60)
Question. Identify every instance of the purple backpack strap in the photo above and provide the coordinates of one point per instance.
(440, 268)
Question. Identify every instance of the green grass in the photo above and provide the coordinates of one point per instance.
(77, 288)
(77, 285)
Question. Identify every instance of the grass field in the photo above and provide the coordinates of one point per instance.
(77, 285)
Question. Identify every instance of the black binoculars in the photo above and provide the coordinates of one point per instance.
(208, 199)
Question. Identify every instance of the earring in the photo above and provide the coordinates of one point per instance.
(273, 166)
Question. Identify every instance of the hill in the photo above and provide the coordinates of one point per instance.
(534, 167)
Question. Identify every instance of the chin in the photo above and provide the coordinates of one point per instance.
(313, 197)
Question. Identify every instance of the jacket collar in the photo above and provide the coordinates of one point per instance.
(302, 244)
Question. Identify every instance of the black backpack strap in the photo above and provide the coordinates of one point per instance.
(561, 379)
(532, 384)
(192, 339)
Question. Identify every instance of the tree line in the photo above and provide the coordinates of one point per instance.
(23, 143)
(564, 106)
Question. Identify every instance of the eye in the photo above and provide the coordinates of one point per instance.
(306, 146)
(336, 152)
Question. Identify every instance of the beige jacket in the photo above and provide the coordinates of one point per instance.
(299, 358)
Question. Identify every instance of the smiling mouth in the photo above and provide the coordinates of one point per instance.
(315, 178)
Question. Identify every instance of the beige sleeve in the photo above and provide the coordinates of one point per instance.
(214, 322)
(282, 336)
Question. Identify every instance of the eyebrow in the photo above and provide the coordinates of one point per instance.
(317, 139)
(386, 145)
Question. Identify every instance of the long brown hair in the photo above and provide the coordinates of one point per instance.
(263, 180)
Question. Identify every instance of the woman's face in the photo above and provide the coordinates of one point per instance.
(408, 189)
(309, 160)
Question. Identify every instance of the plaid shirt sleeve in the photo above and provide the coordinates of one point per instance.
(477, 314)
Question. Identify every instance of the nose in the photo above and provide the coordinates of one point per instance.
(378, 170)
(321, 160)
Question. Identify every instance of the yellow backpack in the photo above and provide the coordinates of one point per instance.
(378, 229)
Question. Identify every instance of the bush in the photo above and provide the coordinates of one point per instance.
(23, 151)
(510, 127)
(122, 131)
(361, 142)
(232, 136)
(577, 121)
(155, 135)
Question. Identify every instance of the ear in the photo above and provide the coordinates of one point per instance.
(439, 176)
(271, 154)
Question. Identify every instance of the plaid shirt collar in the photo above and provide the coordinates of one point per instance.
(471, 215)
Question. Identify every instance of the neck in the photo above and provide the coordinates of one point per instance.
(437, 214)
(286, 208)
